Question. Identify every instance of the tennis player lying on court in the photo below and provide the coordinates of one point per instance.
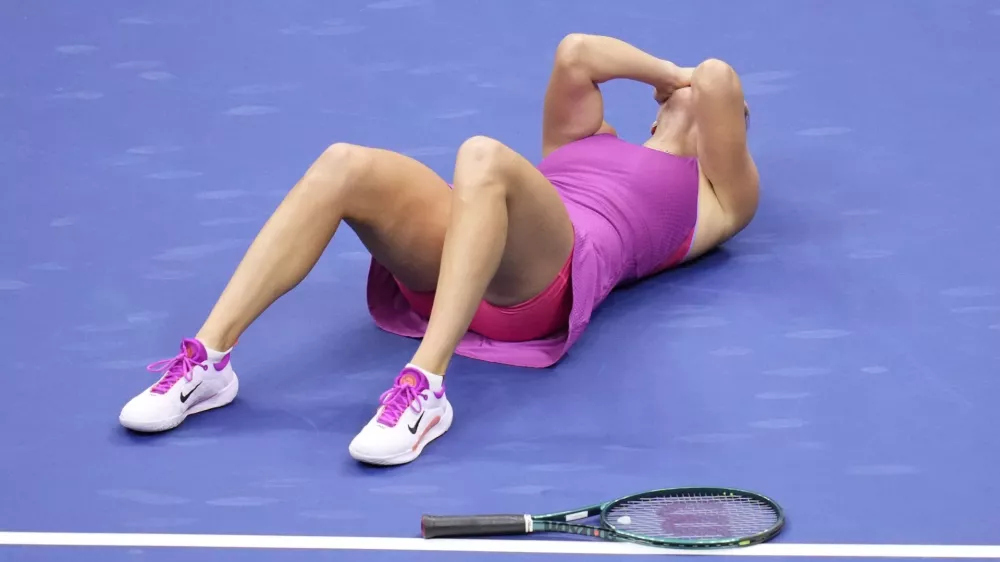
(508, 263)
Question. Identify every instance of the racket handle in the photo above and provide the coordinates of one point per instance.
(437, 526)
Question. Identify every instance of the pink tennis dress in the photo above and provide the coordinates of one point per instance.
(633, 210)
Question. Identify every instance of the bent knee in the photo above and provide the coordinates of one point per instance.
(339, 167)
(482, 162)
(342, 158)
(715, 75)
(482, 151)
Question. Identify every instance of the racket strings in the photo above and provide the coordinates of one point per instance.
(693, 516)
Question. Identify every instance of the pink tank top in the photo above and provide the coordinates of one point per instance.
(633, 211)
(639, 205)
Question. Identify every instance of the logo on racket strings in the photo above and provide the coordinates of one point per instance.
(692, 520)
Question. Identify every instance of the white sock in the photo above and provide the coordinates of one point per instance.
(434, 381)
(213, 354)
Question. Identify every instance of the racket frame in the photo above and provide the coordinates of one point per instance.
(564, 521)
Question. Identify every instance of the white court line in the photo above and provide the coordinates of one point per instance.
(140, 540)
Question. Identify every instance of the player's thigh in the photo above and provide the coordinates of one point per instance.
(400, 210)
(539, 232)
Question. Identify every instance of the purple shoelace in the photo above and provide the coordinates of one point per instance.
(396, 400)
(409, 385)
(192, 355)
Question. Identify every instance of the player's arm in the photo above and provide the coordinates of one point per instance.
(574, 107)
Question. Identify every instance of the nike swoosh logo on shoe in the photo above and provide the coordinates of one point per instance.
(184, 397)
(438, 395)
(430, 426)
(413, 428)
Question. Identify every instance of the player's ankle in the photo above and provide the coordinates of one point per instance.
(429, 364)
(215, 341)
(434, 380)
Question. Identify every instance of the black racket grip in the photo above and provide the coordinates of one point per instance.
(438, 526)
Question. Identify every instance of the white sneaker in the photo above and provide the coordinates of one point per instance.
(411, 416)
(193, 381)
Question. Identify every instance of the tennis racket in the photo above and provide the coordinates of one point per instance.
(674, 518)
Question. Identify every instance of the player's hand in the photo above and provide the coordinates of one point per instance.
(674, 78)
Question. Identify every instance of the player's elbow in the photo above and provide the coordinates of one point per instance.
(714, 75)
(572, 51)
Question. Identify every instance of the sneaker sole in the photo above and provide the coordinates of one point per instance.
(223, 398)
(409, 456)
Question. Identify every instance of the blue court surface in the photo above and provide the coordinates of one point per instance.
(841, 355)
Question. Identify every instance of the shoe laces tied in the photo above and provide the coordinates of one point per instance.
(181, 366)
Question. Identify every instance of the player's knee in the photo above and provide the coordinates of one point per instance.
(342, 166)
(481, 151)
(480, 162)
(714, 75)
(343, 159)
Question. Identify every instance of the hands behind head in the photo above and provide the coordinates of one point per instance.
(674, 78)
